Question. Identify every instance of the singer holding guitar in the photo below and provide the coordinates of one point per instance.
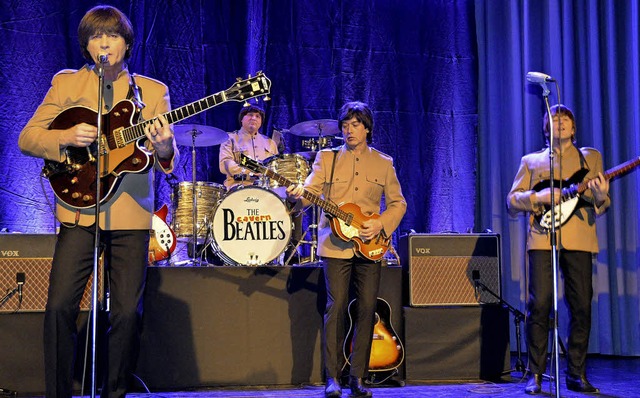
(106, 39)
(359, 174)
(577, 244)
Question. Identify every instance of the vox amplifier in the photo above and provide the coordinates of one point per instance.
(29, 256)
(442, 269)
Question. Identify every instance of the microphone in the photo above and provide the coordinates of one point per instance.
(475, 275)
(103, 58)
(20, 278)
(539, 77)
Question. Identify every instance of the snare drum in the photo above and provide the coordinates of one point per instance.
(292, 166)
(251, 226)
(208, 194)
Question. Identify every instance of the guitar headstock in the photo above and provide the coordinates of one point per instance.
(251, 87)
(251, 164)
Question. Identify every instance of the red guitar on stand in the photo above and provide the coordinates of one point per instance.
(162, 240)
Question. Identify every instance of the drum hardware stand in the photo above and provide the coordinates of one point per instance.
(313, 228)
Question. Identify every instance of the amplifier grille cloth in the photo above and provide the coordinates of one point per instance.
(34, 290)
(443, 280)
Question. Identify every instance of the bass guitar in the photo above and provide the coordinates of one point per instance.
(162, 240)
(387, 352)
(345, 219)
(571, 196)
(121, 145)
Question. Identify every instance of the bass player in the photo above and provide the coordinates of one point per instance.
(358, 174)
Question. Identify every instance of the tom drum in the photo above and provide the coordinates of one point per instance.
(208, 194)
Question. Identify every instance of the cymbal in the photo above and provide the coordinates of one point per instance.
(316, 128)
(204, 135)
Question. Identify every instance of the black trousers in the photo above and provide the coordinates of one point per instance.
(576, 267)
(125, 257)
(364, 277)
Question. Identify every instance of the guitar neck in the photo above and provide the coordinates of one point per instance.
(136, 132)
(326, 205)
(613, 173)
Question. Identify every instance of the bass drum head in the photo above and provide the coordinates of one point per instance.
(251, 226)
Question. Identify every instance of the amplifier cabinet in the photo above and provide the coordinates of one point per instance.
(441, 269)
(31, 255)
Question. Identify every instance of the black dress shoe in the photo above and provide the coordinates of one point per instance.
(581, 384)
(332, 388)
(534, 385)
(357, 388)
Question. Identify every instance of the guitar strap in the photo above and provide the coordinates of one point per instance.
(333, 166)
(135, 94)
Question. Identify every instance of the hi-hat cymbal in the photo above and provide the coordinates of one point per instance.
(316, 128)
(204, 135)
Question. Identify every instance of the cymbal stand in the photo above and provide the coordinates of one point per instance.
(192, 260)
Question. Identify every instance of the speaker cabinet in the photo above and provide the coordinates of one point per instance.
(31, 255)
(442, 269)
(457, 343)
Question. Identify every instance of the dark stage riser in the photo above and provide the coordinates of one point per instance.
(208, 326)
(211, 326)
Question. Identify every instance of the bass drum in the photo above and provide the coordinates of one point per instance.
(251, 226)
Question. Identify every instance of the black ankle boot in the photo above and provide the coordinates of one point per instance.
(332, 388)
(534, 385)
(580, 384)
(357, 388)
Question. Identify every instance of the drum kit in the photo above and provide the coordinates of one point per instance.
(247, 224)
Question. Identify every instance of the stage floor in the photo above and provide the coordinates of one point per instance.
(615, 376)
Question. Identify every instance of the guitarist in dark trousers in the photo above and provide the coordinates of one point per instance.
(125, 219)
(577, 243)
(354, 173)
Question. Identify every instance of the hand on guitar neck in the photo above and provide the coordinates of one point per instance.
(346, 219)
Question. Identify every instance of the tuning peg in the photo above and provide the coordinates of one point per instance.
(266, 98)
(246, 104)
(238, 79)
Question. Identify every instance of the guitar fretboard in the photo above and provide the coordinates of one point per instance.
(613, 173)
(326, 205)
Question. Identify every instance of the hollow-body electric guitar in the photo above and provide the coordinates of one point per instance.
(345, 219)
(162, 240)
(387, 352)
(121, 146)
(571, 196)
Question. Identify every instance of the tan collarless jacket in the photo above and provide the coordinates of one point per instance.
(132, 205)
(257, 147)
(579, 231)
(361, 179)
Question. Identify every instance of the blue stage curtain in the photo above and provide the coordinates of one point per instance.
(591, 49)
(414, 62)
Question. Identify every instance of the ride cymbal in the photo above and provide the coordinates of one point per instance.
(187, 134)
(316, 128)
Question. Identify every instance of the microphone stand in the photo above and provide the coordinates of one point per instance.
(554, 244)
(96, 245)
(518, 317)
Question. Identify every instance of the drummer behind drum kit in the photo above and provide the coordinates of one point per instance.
(246, 225)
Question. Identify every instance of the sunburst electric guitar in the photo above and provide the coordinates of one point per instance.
(121, 145)
(571, 197)
(346, 219)
(387, 352)
(162, 240)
